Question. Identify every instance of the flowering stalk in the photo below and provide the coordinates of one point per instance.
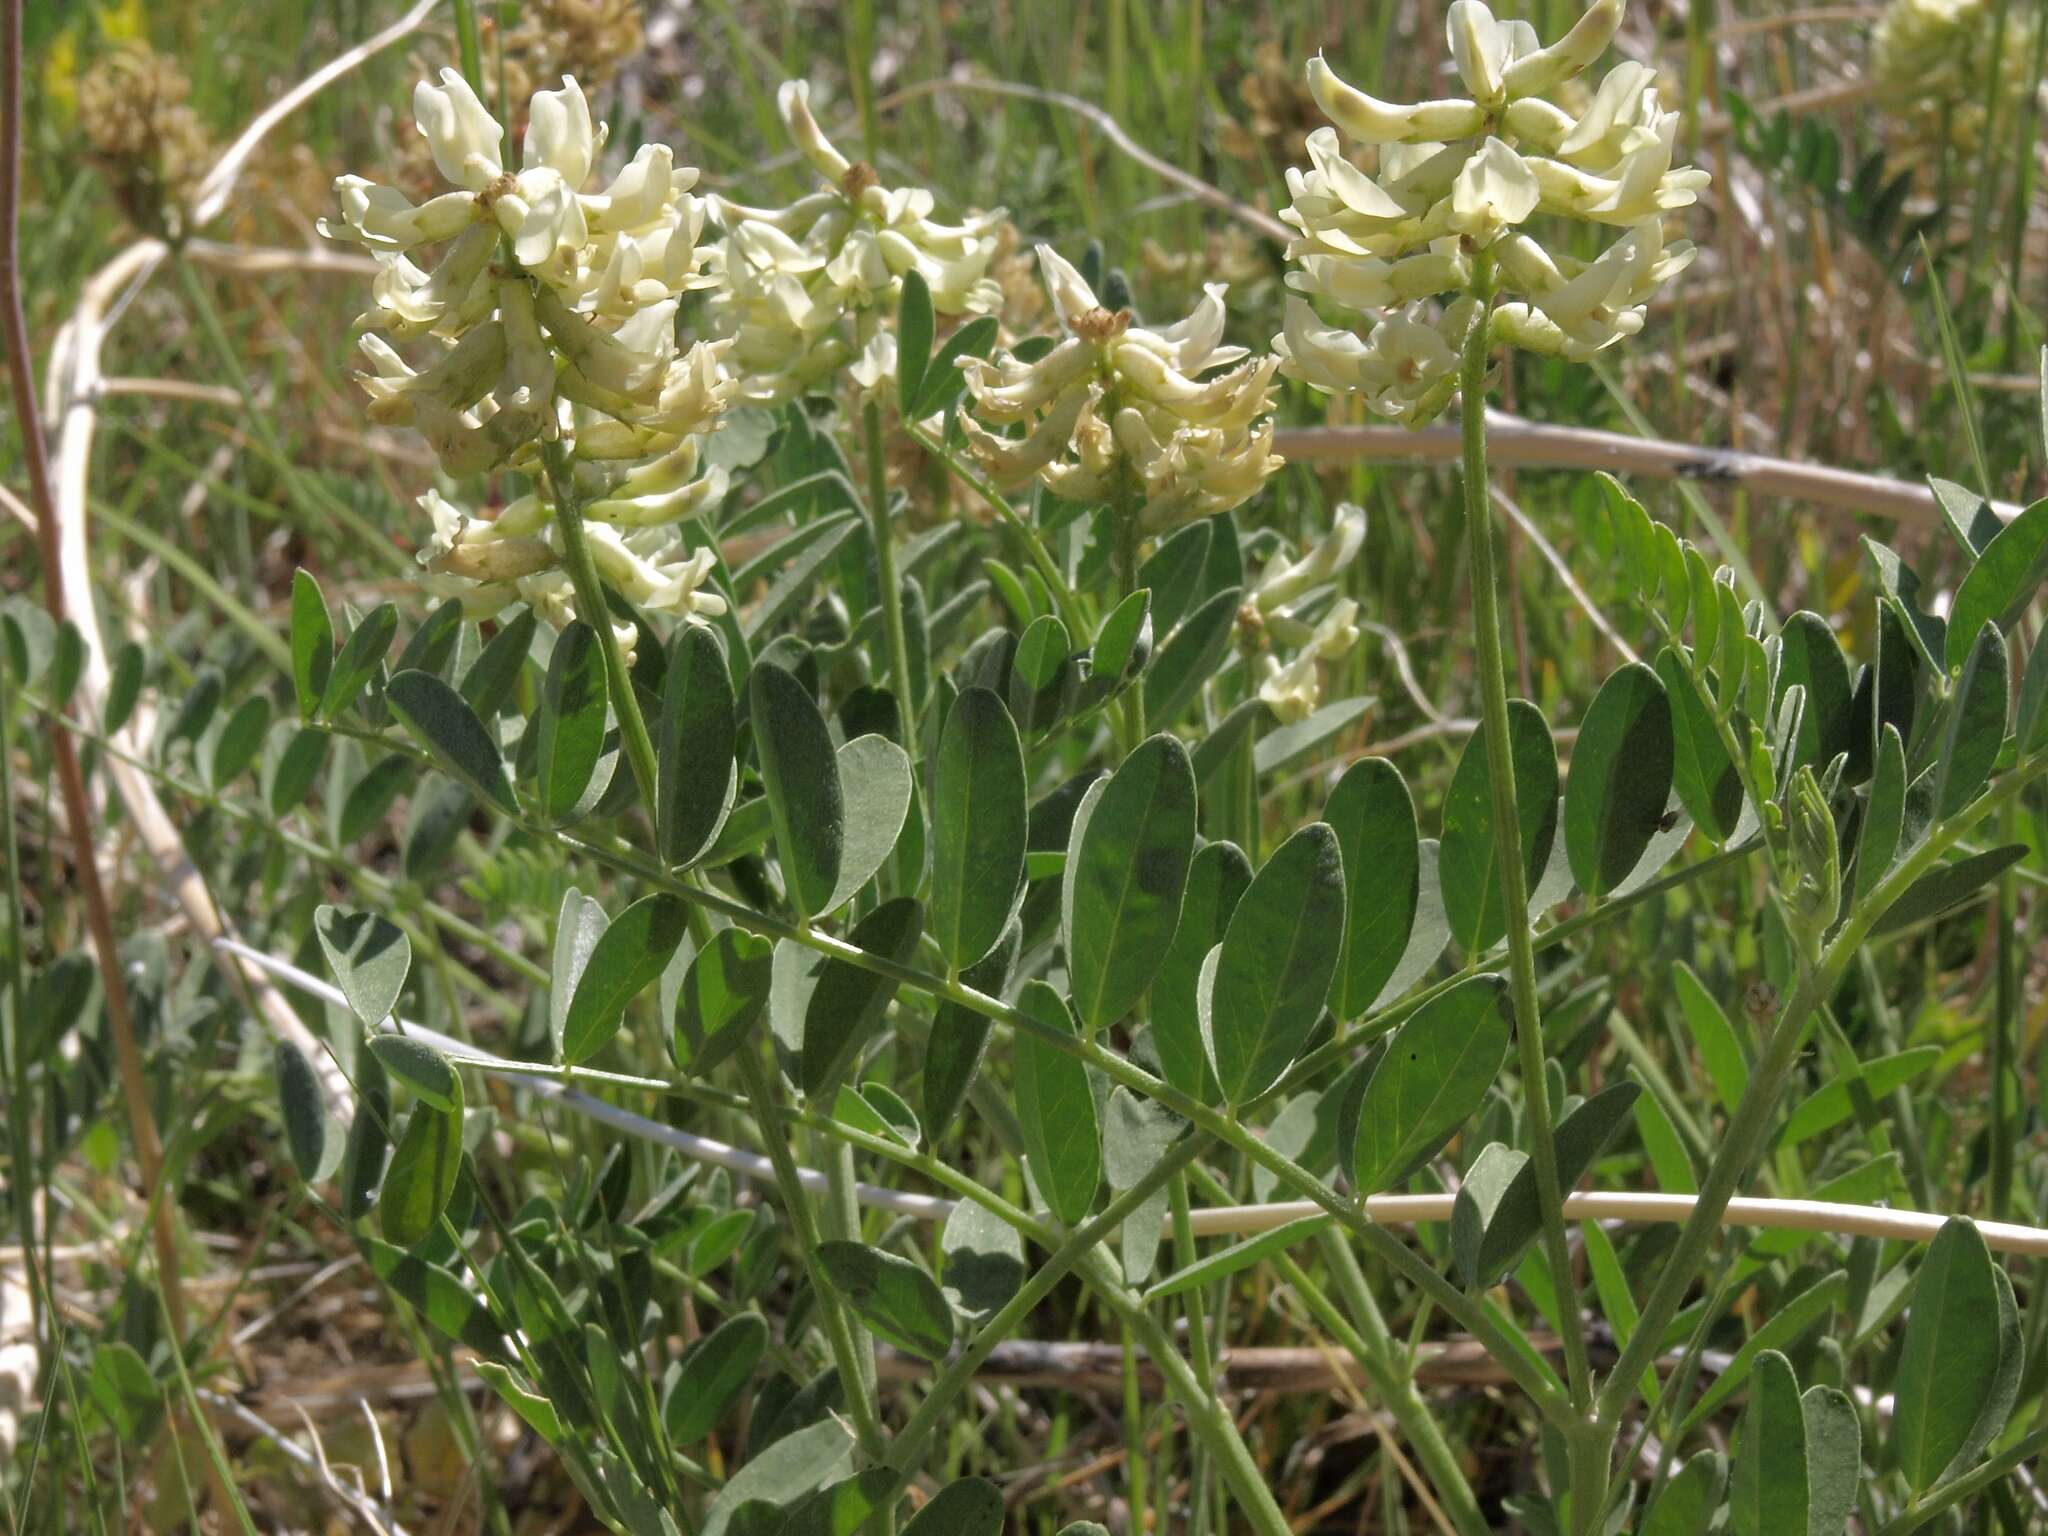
(885, 567)
(590, 598)
(1500, 770)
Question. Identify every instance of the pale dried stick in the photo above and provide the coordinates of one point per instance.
(73, 389)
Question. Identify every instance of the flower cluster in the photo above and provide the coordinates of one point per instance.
(552, 312)
(1936, 62)
(1427, 241)
(806, 288)
(1276, 611)
(1119, 411)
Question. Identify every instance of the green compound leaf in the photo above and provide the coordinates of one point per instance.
(1272, 971)
(984, 1261)
(2001, 583)
(1374, 817)
(979, 825)
(1976, 724)
(1217, 879)
(1812, 658)
(1062, 1136)
(874, 787)
(572, 725)
(847, 1004)
(801, 774)
(1767, 1494)
(312, 643)
(1620, 779)
(421, 1068)
(1834, 1459)
(1127, 868)
(970, 1506)
(310, 1127)
(1947, 1394)
(437, 1295)
(959, 1035)
(439, 719)
(1435, 1073)
(359, 658)
(369, 955)
(624, 960)
(914, 327)
(421, 1178)
(712, 1375)
(695, 770)
(1466, 857)
(894, 1297)
(723, 995)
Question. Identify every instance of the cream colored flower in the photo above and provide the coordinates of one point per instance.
(1936, 64)
(1118, 410)
(1294, 688)
(550, 318)
(1456, 183)
(605, 249)
(806, 287)
(1284, 581)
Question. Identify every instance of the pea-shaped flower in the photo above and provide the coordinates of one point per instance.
(606, 250)
(1127, 414)
(1434, 240)
(1287, 610)
(808, 287)
(550, 318)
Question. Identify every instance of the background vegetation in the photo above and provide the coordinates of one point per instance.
(1869, 298)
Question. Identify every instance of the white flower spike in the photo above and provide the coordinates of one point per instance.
(1444, 216)
(807, 288)
(1118, 410)
(550, 316)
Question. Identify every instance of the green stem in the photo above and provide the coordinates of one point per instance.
(1034, 547)
(1970, 1483)
(775, 1137)
(1753, 1112)
(885, 566)
(1207, 1416)
(1369, 1343)
(909, 1442)
(1514, 887)
(2004, 1024)
(596, 613)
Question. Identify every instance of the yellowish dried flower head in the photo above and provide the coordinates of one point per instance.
(132, 110)
(1121, 411)
(1434, 241)
(807, 287)
(1935, 62)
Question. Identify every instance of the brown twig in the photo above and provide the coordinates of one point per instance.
(64, 756)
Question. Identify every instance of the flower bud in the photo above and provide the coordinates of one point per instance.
(1536, 74)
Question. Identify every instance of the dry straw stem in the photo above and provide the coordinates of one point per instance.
(1513, 443)
(78, 807)
(1816, 1216)
(73, 389)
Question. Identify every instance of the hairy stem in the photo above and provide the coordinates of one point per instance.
(596, 613)
(1514, 886)
(838, 1333)
(885, 566)
(1751, 1122)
